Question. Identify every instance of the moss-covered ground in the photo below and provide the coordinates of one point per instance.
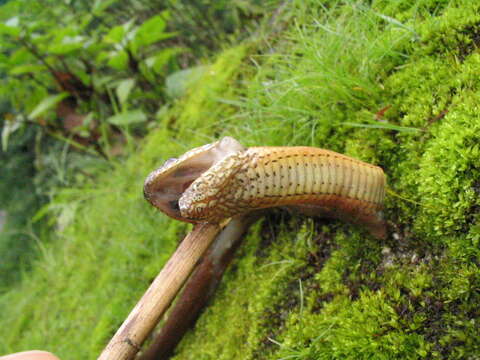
(395, 83)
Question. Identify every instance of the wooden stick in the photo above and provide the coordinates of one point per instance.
(145, 315)
(198, 289)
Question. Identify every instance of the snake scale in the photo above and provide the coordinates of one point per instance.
(224, 179)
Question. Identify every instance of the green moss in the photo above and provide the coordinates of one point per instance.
(373, 300)
(449, 171)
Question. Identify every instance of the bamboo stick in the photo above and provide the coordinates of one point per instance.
(198, 289)
(145, 315)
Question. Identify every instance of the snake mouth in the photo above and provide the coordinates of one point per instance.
(164, 187)
(174, 205)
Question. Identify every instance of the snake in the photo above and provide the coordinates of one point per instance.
(218, 187)
(224, 179)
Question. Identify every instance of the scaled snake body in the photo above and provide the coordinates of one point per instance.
(223, 179)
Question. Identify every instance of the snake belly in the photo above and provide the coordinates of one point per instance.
(311, 180)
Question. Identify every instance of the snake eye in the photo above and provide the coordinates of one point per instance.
(169, 162)
(174, 205)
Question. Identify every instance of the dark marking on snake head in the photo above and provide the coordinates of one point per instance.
(174, 205)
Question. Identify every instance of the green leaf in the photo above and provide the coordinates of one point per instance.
(123, 89)
(118, 33)
(10, 27)
(46, 104)
(13, 22)
(20, 56)
(103, 56)
(118, 60)
(67, 45)
(127, 118)
(150, 27)
(150, 32)
(26, 69)
(93, 47)
(115, 35)
(64, 49)
(101, 5)
(158, 61)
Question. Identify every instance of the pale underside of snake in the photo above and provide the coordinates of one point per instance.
(224, 179)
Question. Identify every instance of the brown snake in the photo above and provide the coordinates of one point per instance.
(223, 179)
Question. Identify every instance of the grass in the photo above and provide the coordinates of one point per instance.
(299, 288)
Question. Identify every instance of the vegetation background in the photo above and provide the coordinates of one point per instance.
(96, 94)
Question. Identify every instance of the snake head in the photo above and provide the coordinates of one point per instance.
(164, 186)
